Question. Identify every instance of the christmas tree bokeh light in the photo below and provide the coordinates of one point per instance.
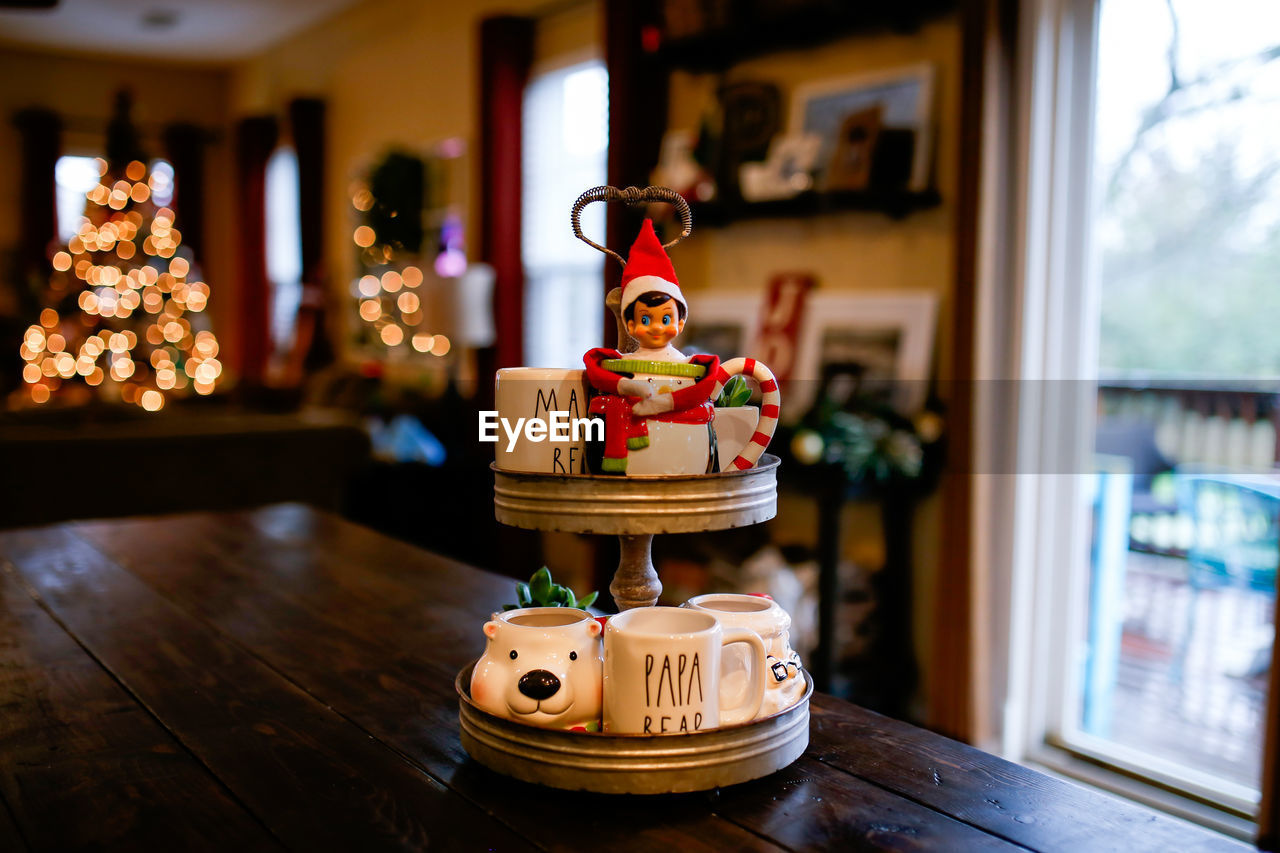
(393, 294)
(123, 317)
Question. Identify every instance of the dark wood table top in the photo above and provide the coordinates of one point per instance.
(284, 679)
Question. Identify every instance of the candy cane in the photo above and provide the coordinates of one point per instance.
(768, 410)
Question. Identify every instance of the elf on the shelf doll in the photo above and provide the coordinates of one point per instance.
(654, 312)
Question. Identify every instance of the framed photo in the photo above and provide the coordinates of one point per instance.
(850, 166)
(905, 98)
(723, 324)
(888, 337)
(786, 173)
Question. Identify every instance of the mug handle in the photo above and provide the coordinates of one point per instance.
(770, 408)
(755, 697)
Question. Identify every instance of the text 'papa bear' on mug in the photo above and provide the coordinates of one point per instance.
(541, 424)
(663, 673)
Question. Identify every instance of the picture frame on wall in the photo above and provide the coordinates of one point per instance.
(723, 324)
(904, 95)
(787, 172)
(850, 166)
(888, 338)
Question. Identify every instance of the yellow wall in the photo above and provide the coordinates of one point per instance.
(82, 90)
(393, 73)
(846, 251)
(398, 73)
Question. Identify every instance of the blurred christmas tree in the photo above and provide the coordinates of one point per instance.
(122, 317)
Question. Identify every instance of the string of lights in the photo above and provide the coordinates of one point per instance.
(391, 302)
(132, 337)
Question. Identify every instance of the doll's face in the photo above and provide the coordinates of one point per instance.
(655, 327)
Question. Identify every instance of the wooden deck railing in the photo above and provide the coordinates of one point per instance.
(1219, 424)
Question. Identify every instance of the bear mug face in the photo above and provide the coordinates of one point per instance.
(542, 666)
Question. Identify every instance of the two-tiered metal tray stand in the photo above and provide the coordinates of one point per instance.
(635, 509)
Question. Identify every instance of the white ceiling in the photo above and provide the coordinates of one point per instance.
(204, 30)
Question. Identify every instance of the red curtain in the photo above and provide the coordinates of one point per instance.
(306, 120)
(506, 51)
(255, 139)
(637, 121)
(312, 349)
(41, 132)
(184, 147)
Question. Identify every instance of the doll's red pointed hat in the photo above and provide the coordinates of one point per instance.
(649, 269)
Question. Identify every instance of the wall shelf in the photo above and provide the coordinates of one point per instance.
(895, 204)
(796, 27)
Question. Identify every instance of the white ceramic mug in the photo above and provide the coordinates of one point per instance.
(535, 392)
(734, 428)
(541, 666)
(784, 682)
(663, 673)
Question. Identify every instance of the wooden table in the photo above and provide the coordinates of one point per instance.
(284, 679)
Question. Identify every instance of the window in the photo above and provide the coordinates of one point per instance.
(1145, 547)
(1186, 235)
(565, 146)
(284, 244)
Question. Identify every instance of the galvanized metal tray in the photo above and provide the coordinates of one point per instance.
(632, 506)
(634, 509)
(633, 764)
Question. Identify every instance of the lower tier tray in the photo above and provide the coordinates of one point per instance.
(633, 764)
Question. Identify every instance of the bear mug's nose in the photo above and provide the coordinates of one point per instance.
(539, 684)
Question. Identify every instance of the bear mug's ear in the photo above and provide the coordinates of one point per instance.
(594, 628)
(491, 629)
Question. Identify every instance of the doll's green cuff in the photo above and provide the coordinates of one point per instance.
(654, 368)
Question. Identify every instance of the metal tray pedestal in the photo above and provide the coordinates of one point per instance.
(634, 509)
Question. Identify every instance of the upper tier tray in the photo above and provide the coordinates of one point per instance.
(633, 506)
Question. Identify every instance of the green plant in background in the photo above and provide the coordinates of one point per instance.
(875, 446)
(398, 187)
(872, 449)
(542, 591)
(736, 392)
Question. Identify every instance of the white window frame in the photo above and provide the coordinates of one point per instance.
(1036, 327)
(540, 278)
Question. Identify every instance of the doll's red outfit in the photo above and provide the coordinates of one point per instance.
(623, 429)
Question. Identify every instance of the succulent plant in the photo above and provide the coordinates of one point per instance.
(542, 591)
(736, 392)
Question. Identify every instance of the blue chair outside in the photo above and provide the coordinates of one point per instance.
(1237, 536)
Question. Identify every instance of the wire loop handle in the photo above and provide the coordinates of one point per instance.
(631, 195)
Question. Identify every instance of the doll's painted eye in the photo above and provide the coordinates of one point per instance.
(573, 655)
(514, 655)
(644, 321)
(666, 319)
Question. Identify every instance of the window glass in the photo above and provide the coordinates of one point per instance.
(284, 244)
(565, 146)
(1185, 542)
(74, 177)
